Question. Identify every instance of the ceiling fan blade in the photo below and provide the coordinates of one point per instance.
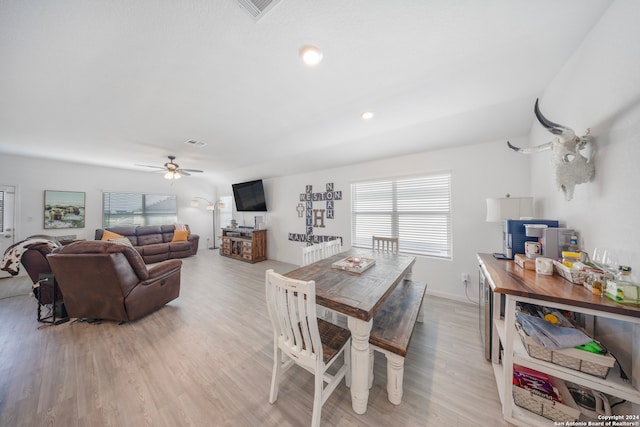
(171, 167)
(148, 166)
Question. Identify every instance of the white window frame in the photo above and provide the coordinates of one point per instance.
(415, 209)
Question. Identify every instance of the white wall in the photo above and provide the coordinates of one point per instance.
(478, 171)
(599, 87)
(32, 176)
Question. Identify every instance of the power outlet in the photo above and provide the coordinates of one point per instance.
(466, 279)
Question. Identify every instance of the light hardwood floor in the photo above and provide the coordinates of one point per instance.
(205, 360)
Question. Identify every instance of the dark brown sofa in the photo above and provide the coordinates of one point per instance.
(154, 243)
(105, 280)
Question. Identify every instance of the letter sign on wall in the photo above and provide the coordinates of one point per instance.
(315, 218)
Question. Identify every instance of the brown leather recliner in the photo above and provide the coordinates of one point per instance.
(35, 263)
(105, 280)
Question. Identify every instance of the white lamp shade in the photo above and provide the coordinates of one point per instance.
(509, 208)
(195, 203)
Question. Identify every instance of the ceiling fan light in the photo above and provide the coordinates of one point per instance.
(172, 175)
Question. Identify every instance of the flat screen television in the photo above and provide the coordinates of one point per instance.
(249, 196)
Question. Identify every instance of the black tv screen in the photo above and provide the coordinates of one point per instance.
(249, 196)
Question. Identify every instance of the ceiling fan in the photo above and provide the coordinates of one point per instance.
(173, 170)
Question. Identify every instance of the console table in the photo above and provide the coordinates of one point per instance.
(515, 284)
(244, 244)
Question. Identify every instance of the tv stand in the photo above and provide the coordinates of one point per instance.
(244, 244)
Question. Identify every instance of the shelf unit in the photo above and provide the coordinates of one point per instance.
(520, 285)
(244, 244)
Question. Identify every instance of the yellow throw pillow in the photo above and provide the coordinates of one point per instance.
(180, 235)
(108, 235)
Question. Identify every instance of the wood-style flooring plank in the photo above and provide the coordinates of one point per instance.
(205, 359)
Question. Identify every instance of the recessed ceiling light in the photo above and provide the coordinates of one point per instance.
(367, 115)
(310, 55)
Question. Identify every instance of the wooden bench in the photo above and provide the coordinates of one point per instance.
(391, 332)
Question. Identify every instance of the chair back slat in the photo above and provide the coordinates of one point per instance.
(311, 254)
(332, 247)
(385, 244)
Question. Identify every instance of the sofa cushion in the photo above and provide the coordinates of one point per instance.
(149, 235)
(154, 249)
(150, 259)
(179, 246)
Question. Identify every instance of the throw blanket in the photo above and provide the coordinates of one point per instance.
(11, 260)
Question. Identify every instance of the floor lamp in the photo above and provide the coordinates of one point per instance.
(211, 206)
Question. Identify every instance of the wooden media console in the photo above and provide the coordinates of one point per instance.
(244, 244)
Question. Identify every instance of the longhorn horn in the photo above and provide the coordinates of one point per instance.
(556, 129)
(530, 150)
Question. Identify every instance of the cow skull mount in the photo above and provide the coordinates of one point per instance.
(571, 166)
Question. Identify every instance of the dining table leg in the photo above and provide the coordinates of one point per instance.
(360, 331)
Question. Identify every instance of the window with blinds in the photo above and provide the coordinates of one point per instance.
(119, 209)
(1, 211)
(416, 210)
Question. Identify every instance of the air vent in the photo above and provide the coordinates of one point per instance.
(193, 143)
(257, 8)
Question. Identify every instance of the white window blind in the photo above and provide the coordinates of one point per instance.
(138, 209)
(416, 210)
(1, 211)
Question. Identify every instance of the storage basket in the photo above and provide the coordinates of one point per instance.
(554, 411)
(578, 277)
(579, 360)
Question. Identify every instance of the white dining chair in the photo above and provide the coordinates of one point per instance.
(385, 244)
(311, 254)
(332, 247)
(300, 338)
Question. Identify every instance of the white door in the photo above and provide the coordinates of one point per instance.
(7, 220)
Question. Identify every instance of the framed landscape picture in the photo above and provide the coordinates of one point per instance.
(63, 209)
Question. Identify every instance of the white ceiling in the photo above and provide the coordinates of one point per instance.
(121, 82)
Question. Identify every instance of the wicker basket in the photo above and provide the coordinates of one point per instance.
(555, 411)
(580, 360)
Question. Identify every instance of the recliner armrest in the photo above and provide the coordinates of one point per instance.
(165, 268)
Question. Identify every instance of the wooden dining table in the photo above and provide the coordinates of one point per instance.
(358, 296)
